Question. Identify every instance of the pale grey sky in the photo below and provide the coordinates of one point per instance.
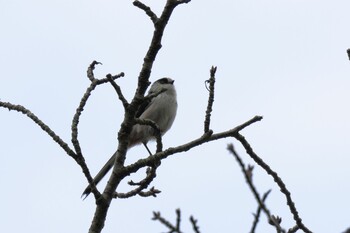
(285, 60)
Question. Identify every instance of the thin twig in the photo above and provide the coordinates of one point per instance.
(113, 77)
(207, 137)
(79, 159)
(171, 227)
(82, 104)
(90, 70)
(43, 126)
(138, 191)
(294, 229)
(194, 224)
(248, 178)
(118, 90)
(77, 115)
(150, 161)
(147, 10)
(152, 192)
(75, 139)
(211, 82)
(143, 184)
(178, 219)
(258, 211)
(75, 122)
(276, 222)
(276, 178)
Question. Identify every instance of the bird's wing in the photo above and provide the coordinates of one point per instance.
(144, 105)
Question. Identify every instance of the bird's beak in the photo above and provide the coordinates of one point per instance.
(172, 82)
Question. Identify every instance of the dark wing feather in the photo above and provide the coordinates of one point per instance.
(144, 105)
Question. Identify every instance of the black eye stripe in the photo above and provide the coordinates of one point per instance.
(163, 81)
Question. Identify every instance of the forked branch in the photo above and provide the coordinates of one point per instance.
(277, 180)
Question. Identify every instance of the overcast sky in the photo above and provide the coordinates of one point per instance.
(283, 59)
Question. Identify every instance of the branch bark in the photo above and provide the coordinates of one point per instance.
(277, 180)
(104, 201)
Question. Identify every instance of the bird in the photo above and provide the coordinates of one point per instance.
(161, 109)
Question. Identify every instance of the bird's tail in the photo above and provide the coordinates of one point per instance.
(99, 176)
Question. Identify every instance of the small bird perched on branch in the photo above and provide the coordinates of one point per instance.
(161, 109)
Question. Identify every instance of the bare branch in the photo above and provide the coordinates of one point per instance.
(293, 229)
(211, 82)
(75, 139)
(155, 45)
(276, 221)
(157, 216)
(206, 137)
(43, 126)
(194, 224)
(82, 104)
(113, 77)
(248, 177)
(152, 192)
(143, 184)
(276, 178)
(258, 211)
(79, 159)
(77, 115)
(118, 90)
(84, 100)
(176, 228)
(178, 219)
(75, 122)
(147, 10)
(138, 191)
(90, 71)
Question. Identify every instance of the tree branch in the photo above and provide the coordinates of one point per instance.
(78, 158)
(248, 177)
(147, 10)
(83, 102)
(293, 229)
(171, 227)
(206, 137)
(152, 192)
(129, 116)
(76, 118)
(143, 184)
(194, 224)
(118, 90)
(258, 211)
(211, 82)
(77, 115)
(90, 70)
(276, 178)
(43, 126)
(178, 219)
